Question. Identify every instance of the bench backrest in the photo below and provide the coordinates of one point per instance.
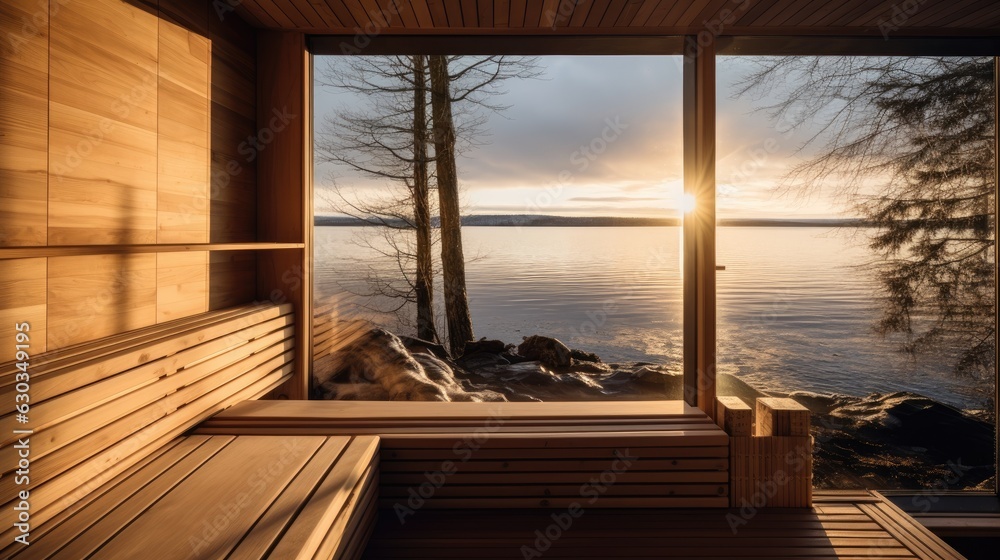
(100, 407)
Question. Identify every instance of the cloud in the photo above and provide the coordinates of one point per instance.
(611, 199)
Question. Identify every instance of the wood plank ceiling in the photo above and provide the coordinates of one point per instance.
(722, 17)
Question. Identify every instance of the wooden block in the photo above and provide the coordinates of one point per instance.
(781, 417)
(734, 416)
(771, 471)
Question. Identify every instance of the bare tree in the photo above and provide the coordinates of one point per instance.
(389, 140)
(456, 81)
(456, 300)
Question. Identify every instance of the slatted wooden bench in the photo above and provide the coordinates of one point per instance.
(111, 469)
(517, 455)
(248, 497)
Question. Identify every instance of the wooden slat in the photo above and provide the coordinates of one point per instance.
(960, 524)
(438, 13)
(333, 411)
(349, 533)
(320, 15)
(422, 12)
(165, 384)
(166, 413)
(39, 531)
(75, 354)
(298, 497)
(123, 357)
(564, 477)
(276, 520)
(85, 250)
(328, 501)
(786, 17)
(342, 12)
(839, 530)
(563, 465)
(183, 509)
(77, 536)
(78, 423)
(78, 481)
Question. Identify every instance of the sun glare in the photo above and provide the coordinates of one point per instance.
(688, 203)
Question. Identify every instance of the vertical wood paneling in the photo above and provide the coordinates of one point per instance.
(102, 124)
(234, 143)
(232, 278)
(96, 296)
(24, 67)
(285, 211)
(183, 116)
(22, 299)
(113, 116)
(181, 285)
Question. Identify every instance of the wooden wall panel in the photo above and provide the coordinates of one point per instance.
(113, 116)
(285, 202)
(22, 299)
(232, 278)
(102, 127)
(24, 61)
(181, 285)
(96, 296)
(234, 125)
(183, 113)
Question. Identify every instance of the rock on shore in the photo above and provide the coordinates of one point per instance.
(882, 441)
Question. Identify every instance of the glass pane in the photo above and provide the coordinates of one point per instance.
(570, 189)
(856, 224)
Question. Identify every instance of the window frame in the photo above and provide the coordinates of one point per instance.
(699, 98)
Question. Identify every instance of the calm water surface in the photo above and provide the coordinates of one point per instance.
(795, 310)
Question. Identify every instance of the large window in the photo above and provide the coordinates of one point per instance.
(855, 243)
(569, 175)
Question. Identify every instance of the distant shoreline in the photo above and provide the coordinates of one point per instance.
(525, 220)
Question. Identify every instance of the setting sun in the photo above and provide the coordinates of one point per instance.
(688, 203)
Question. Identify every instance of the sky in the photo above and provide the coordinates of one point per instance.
(601, 136)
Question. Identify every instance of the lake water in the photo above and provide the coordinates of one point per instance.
(795, 310)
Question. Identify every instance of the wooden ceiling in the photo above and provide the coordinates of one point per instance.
(629, 17)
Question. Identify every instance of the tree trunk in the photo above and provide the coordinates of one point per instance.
(424, 281)
(456, 300)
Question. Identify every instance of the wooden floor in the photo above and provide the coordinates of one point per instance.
(840, 525)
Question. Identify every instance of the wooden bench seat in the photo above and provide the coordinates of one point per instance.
(517, 455)
(112, 473)
(99, 408)
(247, 497)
